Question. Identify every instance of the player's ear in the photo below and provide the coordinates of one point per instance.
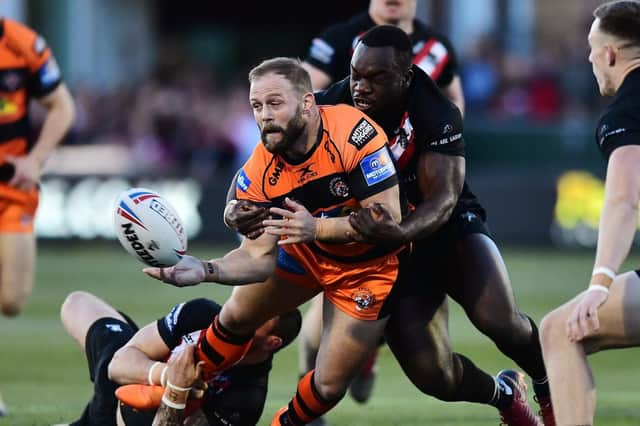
(273, 343)
(611, 56)
(408, 78)
(308, 101)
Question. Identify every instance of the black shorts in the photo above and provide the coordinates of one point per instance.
(104, 338)
(432, 258)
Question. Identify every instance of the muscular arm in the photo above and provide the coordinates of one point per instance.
(131, 363)
(60, 115)
(319, 79)
(339, 229)
(620, 211)
(454, 92)
(440, 178)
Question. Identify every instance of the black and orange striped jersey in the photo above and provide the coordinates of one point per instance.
(349, 163)
(27, 69)
(331, 51)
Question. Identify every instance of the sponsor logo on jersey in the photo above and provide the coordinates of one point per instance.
(377, 167)
(364, 299)
(7, 107)
(321, 51)
(172, 317)
(431, 56)
(242, 182)
(39, 45)
(11, 80)
(116, 328)
(468, 216)
(448, 128)
(605, 132)
(362, 133)
(277, 172)
(137, 246)
(306, 173)
(338, 187)
(446, 140)
(49, 73)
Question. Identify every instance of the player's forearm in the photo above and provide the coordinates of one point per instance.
(334, 230)
(59, 117)
(239, 267)
(167, 416)
(131, 365)
(428, 217)
(615, 235)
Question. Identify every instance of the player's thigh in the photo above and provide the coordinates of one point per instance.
(17, 263)
(346, 343)
(479, 280)
(418, 332)
(80, 310)
(251, 305)
(312, 321)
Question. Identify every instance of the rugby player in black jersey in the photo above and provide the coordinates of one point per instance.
(607, 314)
(453, 253)
(330, 52)
(235, 397)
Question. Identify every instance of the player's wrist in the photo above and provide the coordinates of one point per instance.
(602, 276)
(210, 271)
(175, 396)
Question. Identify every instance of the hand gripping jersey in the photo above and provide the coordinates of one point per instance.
(429, 123)
(620, 123)
(331, 51)
(27, 69)
(349, 162)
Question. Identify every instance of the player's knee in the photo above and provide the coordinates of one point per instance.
(12, 304)
(238, 320)
(330, 390)
(552, 329)
(71, 303)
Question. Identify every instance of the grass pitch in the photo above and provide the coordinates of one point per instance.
(44, 378)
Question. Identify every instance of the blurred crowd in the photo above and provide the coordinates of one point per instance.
(185, 118)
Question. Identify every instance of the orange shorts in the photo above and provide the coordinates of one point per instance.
(357, 289)
(17, 209)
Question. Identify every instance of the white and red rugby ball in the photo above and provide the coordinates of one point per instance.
(149, 228)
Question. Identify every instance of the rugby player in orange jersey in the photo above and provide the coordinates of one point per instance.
(332, 160)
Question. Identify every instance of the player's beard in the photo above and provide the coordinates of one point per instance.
(290, 133)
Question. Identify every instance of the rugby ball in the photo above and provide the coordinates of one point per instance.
(149, 228)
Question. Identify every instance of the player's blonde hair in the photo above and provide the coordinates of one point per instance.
(289, 68)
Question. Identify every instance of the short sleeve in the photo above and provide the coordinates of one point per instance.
(185, 318)
(443, 133)
(617, 130)
(248, 180)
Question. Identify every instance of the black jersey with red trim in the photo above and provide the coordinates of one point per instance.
(619, 125)
(331, 50)
(430, 123)
(234, 397)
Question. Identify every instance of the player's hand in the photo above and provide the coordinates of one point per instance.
(583, 320)
(246, 218)
(375, 225)
(189, 271)
(26, 174)
(183, 369)
(297, 224)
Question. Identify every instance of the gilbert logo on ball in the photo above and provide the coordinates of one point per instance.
(149, 228)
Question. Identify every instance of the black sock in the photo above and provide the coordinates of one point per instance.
(541, 387)
(528, 356)
(475, 385)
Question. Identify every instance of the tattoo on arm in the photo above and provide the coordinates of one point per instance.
(167, 416)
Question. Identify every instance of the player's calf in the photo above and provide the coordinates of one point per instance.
(219, 348)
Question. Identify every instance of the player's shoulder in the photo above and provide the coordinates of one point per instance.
(22, 37)
(427, 100)
(339, 92)
(349, 127)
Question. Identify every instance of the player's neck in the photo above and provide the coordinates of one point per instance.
(630, 66)
(307, 139)
(405, 25)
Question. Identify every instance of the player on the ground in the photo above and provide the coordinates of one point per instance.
(27, 71)
(330, 53)
(235, 397)
(333, 160)
(607, 314)
(452, 250)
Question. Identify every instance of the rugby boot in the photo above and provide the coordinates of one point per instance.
(546, 410)
(518, 413)
(362, 385)
(140, 397)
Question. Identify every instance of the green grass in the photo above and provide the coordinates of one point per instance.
(44, 378)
